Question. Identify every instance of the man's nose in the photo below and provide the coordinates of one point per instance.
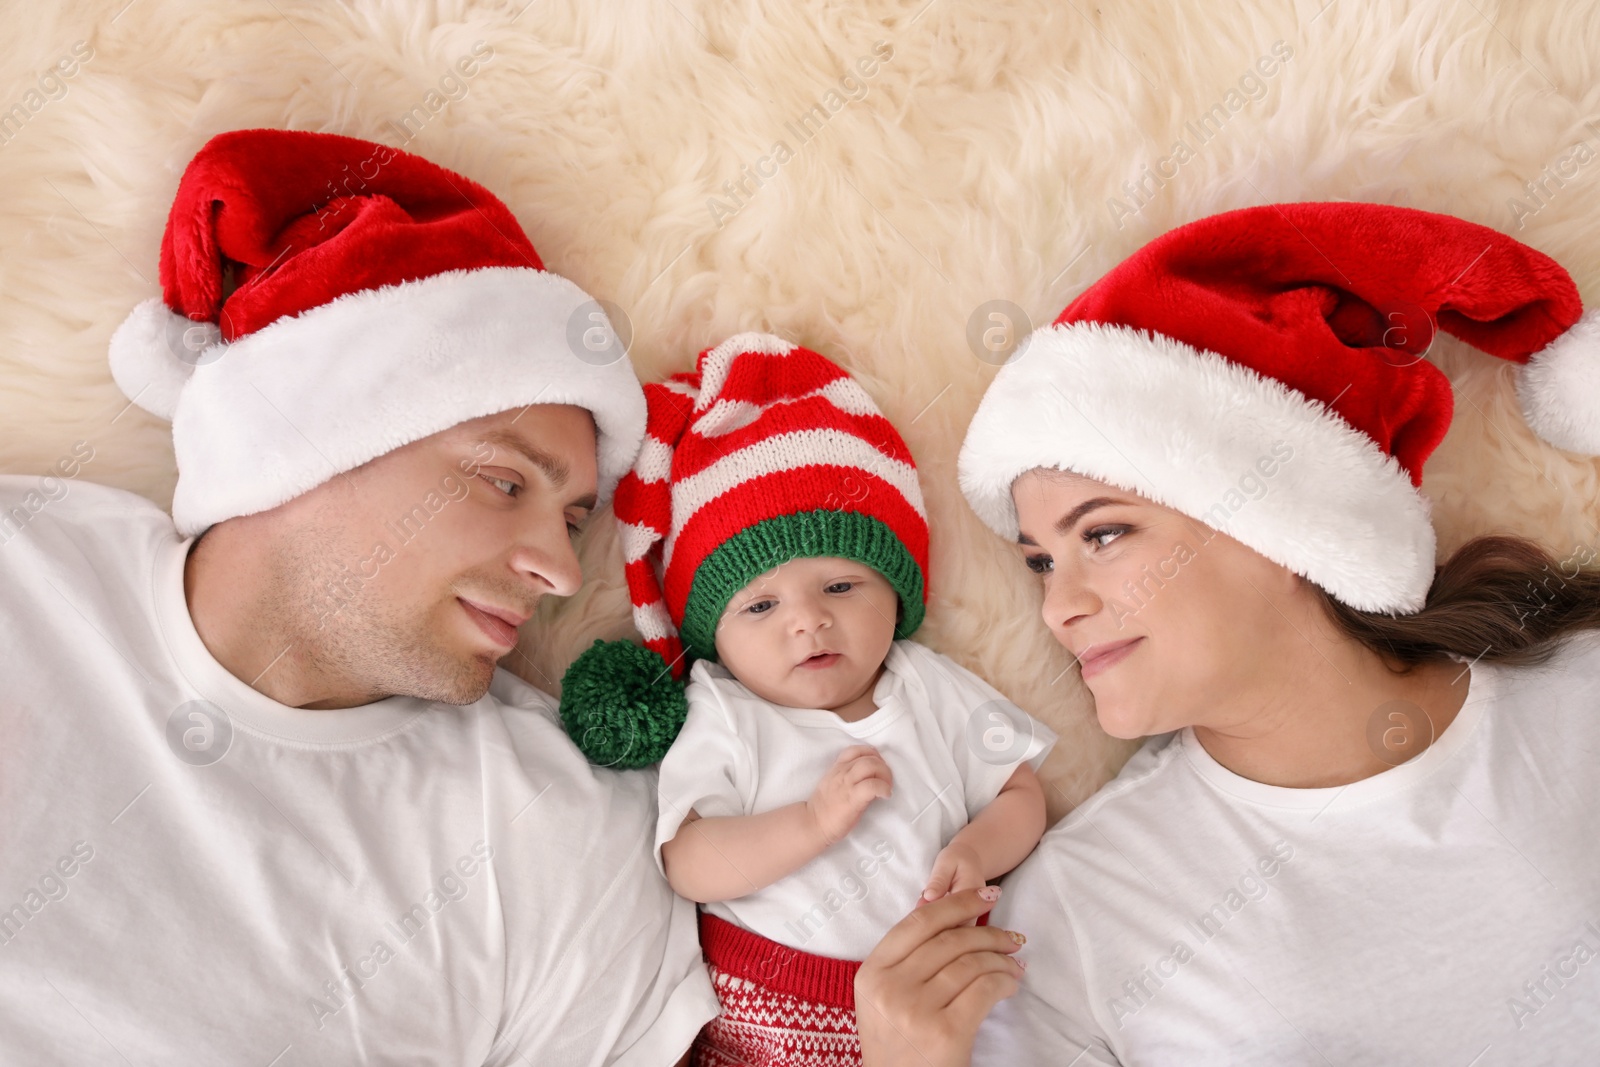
(546, 554)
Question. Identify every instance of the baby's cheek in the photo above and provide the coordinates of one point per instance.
(733, 646)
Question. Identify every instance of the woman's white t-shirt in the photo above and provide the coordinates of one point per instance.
(1446, 911)
(950, 740)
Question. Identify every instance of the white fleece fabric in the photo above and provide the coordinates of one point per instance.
(1560, 388)
(281, 410)
(1212, 439)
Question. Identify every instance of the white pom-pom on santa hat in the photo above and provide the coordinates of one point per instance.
(155, 351)
(1559, 388)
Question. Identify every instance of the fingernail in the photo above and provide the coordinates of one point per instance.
(1017, 936)
(991, 893)
(1021, 963)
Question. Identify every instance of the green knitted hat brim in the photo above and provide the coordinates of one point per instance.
(753, 552)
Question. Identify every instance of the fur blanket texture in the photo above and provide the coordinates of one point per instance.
(857, 177)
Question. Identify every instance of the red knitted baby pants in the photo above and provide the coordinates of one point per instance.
(780, 1007)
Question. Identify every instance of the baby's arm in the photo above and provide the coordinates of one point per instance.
(729, 856)
(997, 839)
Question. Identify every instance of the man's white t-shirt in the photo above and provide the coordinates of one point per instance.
(1445, 911)
(950, 740)
(192, 873)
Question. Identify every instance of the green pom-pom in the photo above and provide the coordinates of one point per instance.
(621, 705)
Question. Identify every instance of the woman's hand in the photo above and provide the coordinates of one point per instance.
(923, 991)
(857, 778)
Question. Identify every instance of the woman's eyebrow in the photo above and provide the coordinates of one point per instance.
(1070, 519)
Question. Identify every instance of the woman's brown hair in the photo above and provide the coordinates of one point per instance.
(1501, 599)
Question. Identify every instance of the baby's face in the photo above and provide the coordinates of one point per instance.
(810, 634)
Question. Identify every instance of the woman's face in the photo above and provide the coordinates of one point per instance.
(1187, 618)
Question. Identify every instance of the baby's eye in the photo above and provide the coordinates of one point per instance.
(760, 607)
(840, 587)
(1113, 532)
(504, 485)
(1040, 564)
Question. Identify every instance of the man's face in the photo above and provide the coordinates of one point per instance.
(410, 574)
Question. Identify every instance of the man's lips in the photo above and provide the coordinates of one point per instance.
(1099, 657)
(499, 624)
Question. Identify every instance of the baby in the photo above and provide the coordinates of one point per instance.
(829, 775)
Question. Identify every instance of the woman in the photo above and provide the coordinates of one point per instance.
(1362, 828)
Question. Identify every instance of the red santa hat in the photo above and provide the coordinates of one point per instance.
(326, 300)
(766, 452)
(1263, 371)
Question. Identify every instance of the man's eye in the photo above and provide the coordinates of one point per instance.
(1039, 564)
(509, 488)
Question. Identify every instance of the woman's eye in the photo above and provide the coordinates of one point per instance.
(1039, 564)
(505, 486)
(840, 587)
(1094, 536)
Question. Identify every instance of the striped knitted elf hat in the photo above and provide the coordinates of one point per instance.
(766, 452)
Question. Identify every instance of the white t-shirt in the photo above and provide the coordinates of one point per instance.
(400, 883)
(1445, 911)
(950, 740)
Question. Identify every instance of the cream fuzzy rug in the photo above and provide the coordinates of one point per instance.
(977, 161)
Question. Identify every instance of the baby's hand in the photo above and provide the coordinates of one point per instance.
(955, 868)
(857, 778)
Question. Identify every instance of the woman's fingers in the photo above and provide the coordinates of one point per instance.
(979, 959)
(947, 1011)
(925, 926)
(974, 1003)
(921, 994)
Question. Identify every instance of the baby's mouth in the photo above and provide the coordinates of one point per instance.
(820, 660)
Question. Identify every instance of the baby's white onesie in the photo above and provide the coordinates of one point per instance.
(950, 740)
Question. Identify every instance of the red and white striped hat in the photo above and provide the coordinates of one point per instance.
(766, 452)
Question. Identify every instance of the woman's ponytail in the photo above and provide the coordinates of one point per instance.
(1501, 599)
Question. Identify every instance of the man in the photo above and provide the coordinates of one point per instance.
(267, 798)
